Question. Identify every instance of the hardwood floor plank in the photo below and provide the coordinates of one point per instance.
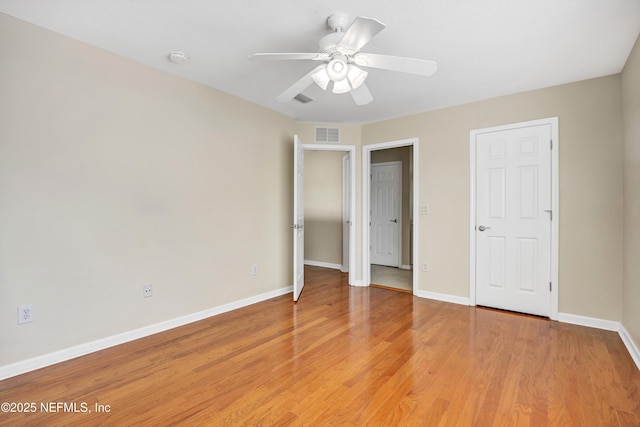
(565, 408)
(346, 356)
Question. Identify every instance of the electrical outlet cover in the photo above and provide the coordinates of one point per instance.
(147, 291)
(25, 314)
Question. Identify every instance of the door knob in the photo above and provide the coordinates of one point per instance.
(482, 228)
(394, 220)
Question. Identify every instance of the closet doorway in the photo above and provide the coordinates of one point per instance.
(390, 214)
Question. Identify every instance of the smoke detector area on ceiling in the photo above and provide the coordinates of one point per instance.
(178, 57)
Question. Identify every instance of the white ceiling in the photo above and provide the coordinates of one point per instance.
(484, 48)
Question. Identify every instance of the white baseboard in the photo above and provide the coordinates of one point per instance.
(443, 297)
(405, 267)
(631, 346)
(592, 322)
(38, 362)
(323, 264)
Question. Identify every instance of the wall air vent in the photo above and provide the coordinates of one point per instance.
(302, 98)
(327, 134)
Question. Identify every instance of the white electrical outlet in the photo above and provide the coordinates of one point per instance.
(426, 266)
(147, 291)
(25, 314)
(254, 270)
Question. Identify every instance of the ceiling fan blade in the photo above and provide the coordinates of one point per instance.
(361, 95)
(359, 33)
(290, 56)
(298, 86)
(421, 67)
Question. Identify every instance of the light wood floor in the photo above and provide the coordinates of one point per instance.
(392, 277)
(347, 356)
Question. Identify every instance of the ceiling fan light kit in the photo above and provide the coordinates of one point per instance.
(337, 68)
(321, 77)
(356, 76)
(340, 52)
(342, 86)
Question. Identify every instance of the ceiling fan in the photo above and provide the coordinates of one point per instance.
(341, 59)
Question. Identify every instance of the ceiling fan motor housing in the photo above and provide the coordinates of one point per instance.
(329, 42)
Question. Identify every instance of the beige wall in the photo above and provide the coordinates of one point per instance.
(402, 154)
(323, 206)
(114, 175)
(631, 136)
(590, 188)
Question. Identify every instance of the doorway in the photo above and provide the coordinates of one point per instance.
(401, 275)
(345, 214)
(514, 217)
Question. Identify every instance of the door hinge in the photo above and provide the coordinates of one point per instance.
(550, 212)
(551, 144)
(550, 287)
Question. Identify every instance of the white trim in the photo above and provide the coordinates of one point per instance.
(14, 369)
(323, 264)
(351, 149)
(592, 322)
(346, 211)
(366, 171)
(443, 297)
(631, 346)
(405, 267)
(38, 362)
(555, 206)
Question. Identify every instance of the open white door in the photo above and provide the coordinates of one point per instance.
(298, 217)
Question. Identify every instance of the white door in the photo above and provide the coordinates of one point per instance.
(513, 219)
(346, 210)
(386, 213)
(298, 217)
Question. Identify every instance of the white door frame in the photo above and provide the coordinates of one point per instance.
(366, 216)
(397, 163)
(351, 149)
(555, 205)
(347, 219)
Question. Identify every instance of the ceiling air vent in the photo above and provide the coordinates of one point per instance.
(327, 134)
(302, 98)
